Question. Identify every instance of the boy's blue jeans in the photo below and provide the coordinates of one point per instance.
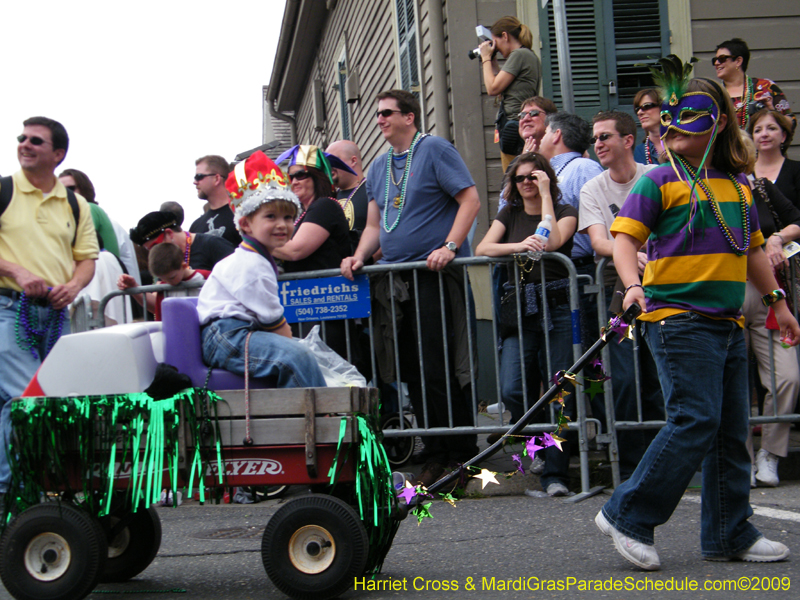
(702, 366)
(271, 354)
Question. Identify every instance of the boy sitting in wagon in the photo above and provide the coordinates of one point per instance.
(240, 313)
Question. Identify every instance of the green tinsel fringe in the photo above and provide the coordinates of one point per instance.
(84, 438)
(374, 494)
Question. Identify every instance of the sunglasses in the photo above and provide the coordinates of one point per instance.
(645, 106)
(721, 58)
(531, 113)
(200, 176)
(35, 140)
(521, 178)
(386, 113)
(603, 137)
(299, 175)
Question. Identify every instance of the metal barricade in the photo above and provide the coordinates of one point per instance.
(421, 424)
(613, 426)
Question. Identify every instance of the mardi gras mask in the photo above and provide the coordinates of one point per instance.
(694, 113)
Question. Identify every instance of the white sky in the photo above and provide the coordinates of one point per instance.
(144, 89)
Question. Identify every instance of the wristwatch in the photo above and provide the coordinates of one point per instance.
(773, 297)
(451, 246)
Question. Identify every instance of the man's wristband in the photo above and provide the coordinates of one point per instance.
(773, 297)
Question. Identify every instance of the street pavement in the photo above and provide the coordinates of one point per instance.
(513, 539)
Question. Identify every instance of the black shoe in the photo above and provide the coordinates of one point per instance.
(430, 473)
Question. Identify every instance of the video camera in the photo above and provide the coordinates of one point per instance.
(484, 35)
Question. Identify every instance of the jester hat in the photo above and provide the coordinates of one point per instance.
(688, 113)
(312, 156)
(254, 182)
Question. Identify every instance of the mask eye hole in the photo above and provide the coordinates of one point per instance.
(666, 118)
(689, 115)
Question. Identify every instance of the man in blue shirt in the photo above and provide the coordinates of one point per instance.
(423, 202)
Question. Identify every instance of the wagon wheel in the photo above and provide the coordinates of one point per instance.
(398, 449)
(133, 542)
(52, 551)
(268, 492)
(313, 547)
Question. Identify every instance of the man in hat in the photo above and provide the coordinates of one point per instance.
(201, 250)
(423, 202)
(48, 249)
(209, 180)
(352, 191)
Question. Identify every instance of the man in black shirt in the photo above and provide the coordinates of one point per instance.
(352, 191)
(209, 179)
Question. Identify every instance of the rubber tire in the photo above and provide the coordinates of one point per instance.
(349, 538)
(87, 548)
(144, 530)
(269, 492)
(398, 449)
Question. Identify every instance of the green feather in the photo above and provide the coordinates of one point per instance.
(672, 77)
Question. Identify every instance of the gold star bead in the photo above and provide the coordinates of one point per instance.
(486, 476)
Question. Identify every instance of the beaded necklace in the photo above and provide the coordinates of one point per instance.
(400, 200)
(188, 252)
(34, 334)
(565, 165)
(726, 231)
(747, 93)
(353, 193)
(648, 157)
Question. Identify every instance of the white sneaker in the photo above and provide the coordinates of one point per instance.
(557, 489)
(763, 550)
(643, 556)
(537, 466)
(767, 468)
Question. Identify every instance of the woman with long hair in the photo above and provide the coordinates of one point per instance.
(699, 219)
(647, 106)
(772, 134)
(749, 94)
(516, 81)
(533, 195)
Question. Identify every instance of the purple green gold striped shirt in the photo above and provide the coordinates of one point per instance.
(689, 270)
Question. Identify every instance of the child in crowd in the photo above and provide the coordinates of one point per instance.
(240, 312)
(704, 241)
(165, 263)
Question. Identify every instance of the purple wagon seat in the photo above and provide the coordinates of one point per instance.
(183, 349)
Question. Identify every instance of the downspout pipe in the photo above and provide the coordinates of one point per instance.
(441, 108)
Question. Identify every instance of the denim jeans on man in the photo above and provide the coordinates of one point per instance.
(556, 468)
(702, 365)
(271, 354)
(17, 367)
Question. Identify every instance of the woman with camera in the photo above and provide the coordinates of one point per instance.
(533, 195)
(772, 133)
(749, 94)
(516, 81)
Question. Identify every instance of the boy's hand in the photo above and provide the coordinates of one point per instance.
(125, 281)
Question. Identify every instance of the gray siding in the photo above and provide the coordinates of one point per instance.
(770, 29)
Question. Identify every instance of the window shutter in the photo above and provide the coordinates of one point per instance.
(407, 39)
(343, 108)
(638, 39)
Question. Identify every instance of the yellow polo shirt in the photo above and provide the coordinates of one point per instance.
(36, 233)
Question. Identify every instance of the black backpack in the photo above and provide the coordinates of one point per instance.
(7, 192)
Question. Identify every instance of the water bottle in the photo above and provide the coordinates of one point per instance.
(542, 234)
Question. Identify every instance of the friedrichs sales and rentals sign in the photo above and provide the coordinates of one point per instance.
(325, 299)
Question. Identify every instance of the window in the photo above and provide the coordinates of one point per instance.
(407, 46)
(610, 43)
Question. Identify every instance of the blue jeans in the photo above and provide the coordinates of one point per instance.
(271, 354)
(702, 365)
(17, 367)
(535, 371)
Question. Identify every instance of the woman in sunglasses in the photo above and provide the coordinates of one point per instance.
(749, 94)
(647, 106)
(517, 80)
(532, 195)
(321, 238)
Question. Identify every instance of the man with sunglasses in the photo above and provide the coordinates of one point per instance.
(423, 202)
(46, 259)
(209, 180)
(614, 137)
